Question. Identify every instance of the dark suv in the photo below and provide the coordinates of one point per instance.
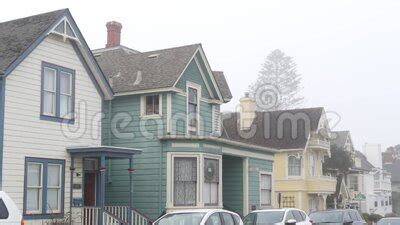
(337, 217)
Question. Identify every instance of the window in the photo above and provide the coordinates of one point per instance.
(44, 187)
(289, 216)
(228, 220)
(390, 200)
(185, 181)
(3, 210)
(353, 183)
(297, 215)
(288, 202)
(249, 219)
(294, 166)
(57, 92)
(347, 217)
(382, 203)
(376, 204)
(265, 189)
(211, 181)
(193, 109)
(214, 219)
(312, 164)
(151, 105)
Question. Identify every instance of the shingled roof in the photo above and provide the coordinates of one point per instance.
(129, 70)
(267, 126)
(365, 164)
(339, 138)
(17, 35)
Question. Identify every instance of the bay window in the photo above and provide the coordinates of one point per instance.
(185, 181)
(57, 92)
(44, 187)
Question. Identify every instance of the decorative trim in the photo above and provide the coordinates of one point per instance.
(169, 113)
(44, 162)
(204, 77)
(185, 145)
(148, 91)
(244, 153)
(56, 117)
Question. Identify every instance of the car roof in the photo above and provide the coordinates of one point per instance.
(391, 218)
(275, 210)
(199, 211)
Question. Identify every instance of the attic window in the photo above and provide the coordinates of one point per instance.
(64, 29)
(153, 56)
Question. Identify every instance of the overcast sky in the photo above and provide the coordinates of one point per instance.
(347, 51)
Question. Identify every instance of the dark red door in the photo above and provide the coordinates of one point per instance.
(90, 189)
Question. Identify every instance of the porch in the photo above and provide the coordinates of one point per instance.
(88, 197)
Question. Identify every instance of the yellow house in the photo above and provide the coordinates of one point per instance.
(301, 137)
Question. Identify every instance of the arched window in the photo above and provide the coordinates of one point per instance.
(294, 165)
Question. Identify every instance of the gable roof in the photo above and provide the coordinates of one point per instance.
(269, 123)
(339, 138)
(20, 37)
(17, 35)
(130, 71)
(365, 164)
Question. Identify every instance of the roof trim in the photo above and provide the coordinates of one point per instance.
(146, 91)
(220, 140)
(108, 151)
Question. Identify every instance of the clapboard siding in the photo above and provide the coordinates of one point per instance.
(255, 167)
(192, 74)
(232, 183)
(25, 135)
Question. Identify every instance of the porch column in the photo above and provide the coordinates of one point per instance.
(71, 189)
(102, 187)
(130, 170)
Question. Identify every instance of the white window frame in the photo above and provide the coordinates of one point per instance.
(312, 164)
(198, 88)
(297, 155)
(219, 159)
(272, 188)
(54, 92)
(216, 120)
(70, 95)
(200, 180)
(59, 187)
(40, 188)
(143, 107)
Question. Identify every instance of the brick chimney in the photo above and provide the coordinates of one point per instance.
(113, 34)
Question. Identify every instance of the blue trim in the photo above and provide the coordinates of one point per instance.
(2, 101)
(44, 162)
(57, 117)
(88, 71)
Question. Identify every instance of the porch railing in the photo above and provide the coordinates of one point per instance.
(110, 219)
(139, 219)
(122, 212)
(85, 215)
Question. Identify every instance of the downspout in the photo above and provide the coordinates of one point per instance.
(109, 164)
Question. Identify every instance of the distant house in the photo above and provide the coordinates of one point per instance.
(301, 135)
(393, 166)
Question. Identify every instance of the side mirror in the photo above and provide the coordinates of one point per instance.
(291, 222)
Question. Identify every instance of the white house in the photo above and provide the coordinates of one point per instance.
(51, 97)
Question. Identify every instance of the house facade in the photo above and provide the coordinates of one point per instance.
(167, 103)
(52, 91)
(301, 137)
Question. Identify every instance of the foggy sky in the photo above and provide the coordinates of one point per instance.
(347, 51)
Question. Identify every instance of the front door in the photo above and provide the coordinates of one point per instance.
(90, 189)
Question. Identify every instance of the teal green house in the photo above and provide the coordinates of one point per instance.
(167, 104)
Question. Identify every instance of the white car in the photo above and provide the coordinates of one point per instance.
(200, 217)
(277, 216)
(9, 213)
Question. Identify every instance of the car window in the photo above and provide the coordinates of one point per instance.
(347, 217)
(269, 217)
(214, 219)
(359, 218)
(3, 210)
(297, 216)
(289, 216)
(389, 221)
(249, 219)
(303, 214)
(353, 216)
(181, 218)
(236, 219)
(228, 220)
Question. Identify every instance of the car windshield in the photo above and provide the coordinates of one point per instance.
(181, 219)
(269, 217)
(327, 217)
(389, 221)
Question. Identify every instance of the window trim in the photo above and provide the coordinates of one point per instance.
(56, 117)
(219, 193)
(272, 188)
(43, 212)
(143, 107)
(198, 88)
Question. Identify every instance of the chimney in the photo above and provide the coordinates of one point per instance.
(113, 34)
(247, 111)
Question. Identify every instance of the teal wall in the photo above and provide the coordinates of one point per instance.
(232, 183)
(255, 167)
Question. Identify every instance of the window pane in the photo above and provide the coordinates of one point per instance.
(192, 96)
(214, 219)
(65, 106)
(185, 169)
(3, 210)
(53, 176)
(265, 181)
(156, 104)
(185, 181)
(34, 175)
(211, 170)
(65, 83)
(294, 166)
(49, 79)
(213, 193)
(228, 220)
(190, 193)
(33, 196)
(149, 105)
(49, 102)
(53, 197)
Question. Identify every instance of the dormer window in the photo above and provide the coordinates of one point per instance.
(193, 108)
(151, 106)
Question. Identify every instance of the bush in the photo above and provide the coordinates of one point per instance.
(375, 217)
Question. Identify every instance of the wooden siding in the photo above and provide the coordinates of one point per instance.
(26, 135)
(192, 74)
(255, 167)
(232, 183)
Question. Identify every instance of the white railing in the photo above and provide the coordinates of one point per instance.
(139, 219)
(122, 213)
(109, 219)
(382, 185)
(318, 143)
(85, 215)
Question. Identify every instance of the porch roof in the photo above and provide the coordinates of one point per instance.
(106, 151)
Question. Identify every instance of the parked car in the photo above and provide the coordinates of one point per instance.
(284, 216)
(389, 221)
(200, 217)
(337, 217)
(9, 213)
